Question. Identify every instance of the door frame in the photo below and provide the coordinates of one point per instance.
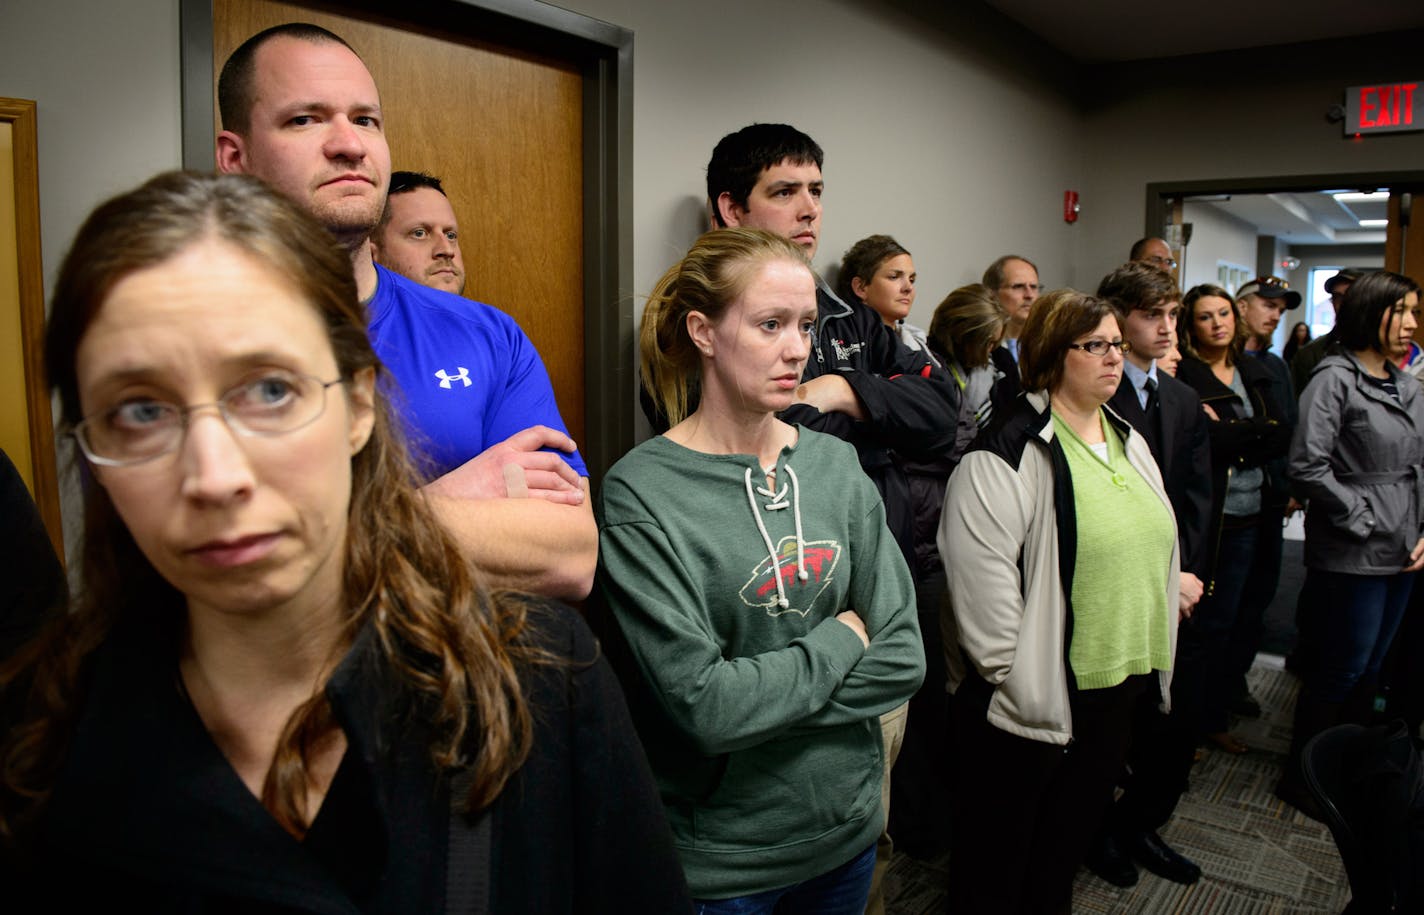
(22, 116)
(1160, 194)
(604, 55)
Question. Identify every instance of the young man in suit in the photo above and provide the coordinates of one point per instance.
(1169, 415)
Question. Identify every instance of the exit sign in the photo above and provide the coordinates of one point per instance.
(1389, 108)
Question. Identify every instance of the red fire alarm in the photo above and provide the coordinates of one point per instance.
(1070, 206)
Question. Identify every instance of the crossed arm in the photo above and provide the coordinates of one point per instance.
(523, 515)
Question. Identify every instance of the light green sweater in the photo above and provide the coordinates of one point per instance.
(1125, 541)
(760, 717)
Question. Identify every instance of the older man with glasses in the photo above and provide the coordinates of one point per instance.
(1014, 279)
(1154, 251)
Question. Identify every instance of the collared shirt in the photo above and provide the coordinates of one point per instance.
(1139, 379)
(1012, 345)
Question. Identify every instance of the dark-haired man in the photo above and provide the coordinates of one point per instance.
(1168, 414)
(418, 235)
(301, 111)
(861, 383)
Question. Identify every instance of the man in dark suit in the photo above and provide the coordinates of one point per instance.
(1014, 281)
(1169, 416)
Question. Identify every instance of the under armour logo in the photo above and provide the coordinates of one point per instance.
(445, 377)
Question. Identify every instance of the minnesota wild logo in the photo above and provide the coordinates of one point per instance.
(822, 558)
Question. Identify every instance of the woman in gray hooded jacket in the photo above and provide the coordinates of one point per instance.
(1358, 459)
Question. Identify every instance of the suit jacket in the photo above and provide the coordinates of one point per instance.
(1182, 447)
(1010, 385)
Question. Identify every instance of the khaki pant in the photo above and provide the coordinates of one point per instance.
(892, 731)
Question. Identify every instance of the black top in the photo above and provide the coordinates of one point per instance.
(147, 809)
(33, 586)
(1238, 439)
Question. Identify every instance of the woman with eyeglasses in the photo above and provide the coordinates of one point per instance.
(282, 688)
(1056, 635)
(1247, 431)
(1357, 458)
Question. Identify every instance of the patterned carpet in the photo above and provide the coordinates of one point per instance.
(1257, 854)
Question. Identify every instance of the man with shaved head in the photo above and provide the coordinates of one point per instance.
(301, 111)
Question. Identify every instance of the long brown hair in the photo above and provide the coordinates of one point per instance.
(712, 275)
(1057, 317)
(453, 645)
(1187, 342)
(967, 325)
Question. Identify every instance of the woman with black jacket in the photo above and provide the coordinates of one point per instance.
(1247, 431)
(282, 688)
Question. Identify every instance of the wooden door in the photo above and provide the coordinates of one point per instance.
(26, 423)
(502, 129)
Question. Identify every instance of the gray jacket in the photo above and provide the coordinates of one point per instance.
(1358, 458)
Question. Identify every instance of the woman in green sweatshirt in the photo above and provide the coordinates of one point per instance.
(766, 616)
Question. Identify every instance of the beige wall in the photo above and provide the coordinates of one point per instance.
(953, 135)
(928, 136)
(1216, 236)
(957, 135)
(955, 131)
(105, 80)
(960, 138)
(1245, 115)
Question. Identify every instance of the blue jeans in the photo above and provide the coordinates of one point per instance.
(839, 891)
(1355, 620)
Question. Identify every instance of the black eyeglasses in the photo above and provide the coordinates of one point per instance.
(1166, 263)
(1100, 347)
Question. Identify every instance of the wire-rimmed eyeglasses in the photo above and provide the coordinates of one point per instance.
(142, 429)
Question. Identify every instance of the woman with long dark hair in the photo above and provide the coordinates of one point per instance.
(1299, 336)
(282, 688)
(1357, 460)
(1247, 430)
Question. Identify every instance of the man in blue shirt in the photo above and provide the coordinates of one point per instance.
(301, 111)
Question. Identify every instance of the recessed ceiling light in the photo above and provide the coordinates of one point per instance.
(1373, 223)
(1357, 197)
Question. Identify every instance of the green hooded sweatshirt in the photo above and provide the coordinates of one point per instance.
(760, 712)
